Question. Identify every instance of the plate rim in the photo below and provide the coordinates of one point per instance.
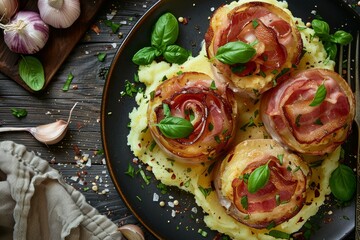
(104, 103)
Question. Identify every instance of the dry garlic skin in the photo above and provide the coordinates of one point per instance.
(272, 33)
(280, 198)
(208, 105)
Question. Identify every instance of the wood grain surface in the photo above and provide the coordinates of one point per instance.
(83, 138)
(58, 47)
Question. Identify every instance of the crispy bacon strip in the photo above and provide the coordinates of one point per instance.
(289, 118)
(212, 112)
(282, 196)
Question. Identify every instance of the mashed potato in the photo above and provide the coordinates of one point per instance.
(196, 177)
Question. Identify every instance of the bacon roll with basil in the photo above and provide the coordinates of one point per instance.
(253, 44)
(192, 117)
(311, 112)
(261, 184)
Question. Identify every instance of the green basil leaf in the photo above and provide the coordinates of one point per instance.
(331, 49)
(32, 72)
(343, 183)
(175, 127)
(114, 26)
(176, 54)
(341, 37)
(235, 52)
(165, 32)
(144, 56)
(279, 234)
(321, 29)
(319, 96)
(19, 112)
(258, 178)
(101, 56)
(244, 202)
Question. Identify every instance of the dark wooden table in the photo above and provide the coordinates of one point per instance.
(83, 141)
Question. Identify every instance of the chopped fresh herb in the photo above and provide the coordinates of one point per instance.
(210, 126)
(205, 191)
(318, 122)
(213, 85)
(136, 78)
(162, 187)
(19, 112)
(100, 152)
(68, 81)
(101, 56)
(300, 28)
(271, 225)
(278, 234)
(187, 183)
(139, 198)
(130, 171)
(202, 232)
(217, 139)
(255, 23)
(152, 95)
(319, 96)
(244, 202)
(262, 73)
(281, 158)
(144, 177)
(114, 26)
(130, 89)
(152, 145)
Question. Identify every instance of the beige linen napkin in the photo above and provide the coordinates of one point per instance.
(36, 203)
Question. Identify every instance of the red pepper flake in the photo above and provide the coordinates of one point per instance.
(96, 29)
(77, 150)
(173, 176)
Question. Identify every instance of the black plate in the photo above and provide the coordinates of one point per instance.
(114, 116)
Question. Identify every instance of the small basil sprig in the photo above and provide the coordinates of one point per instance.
(343, 183)
(31, 72)
(174, 127)
(322, 30)
(163, 37)
(235, 52)
(319, 96)
(258, 178)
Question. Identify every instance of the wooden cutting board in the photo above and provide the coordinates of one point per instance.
(60, 43)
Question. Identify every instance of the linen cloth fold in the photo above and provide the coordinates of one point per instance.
(36, 203)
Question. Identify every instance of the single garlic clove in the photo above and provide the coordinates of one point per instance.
(50, 133)
(132, 232)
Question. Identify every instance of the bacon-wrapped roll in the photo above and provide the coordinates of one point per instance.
(273, 33)
(209, 106)
(291, 117)
(279, 199)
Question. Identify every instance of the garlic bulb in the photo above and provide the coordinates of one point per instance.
(26, 33)
(7, 9)
(59, 13)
